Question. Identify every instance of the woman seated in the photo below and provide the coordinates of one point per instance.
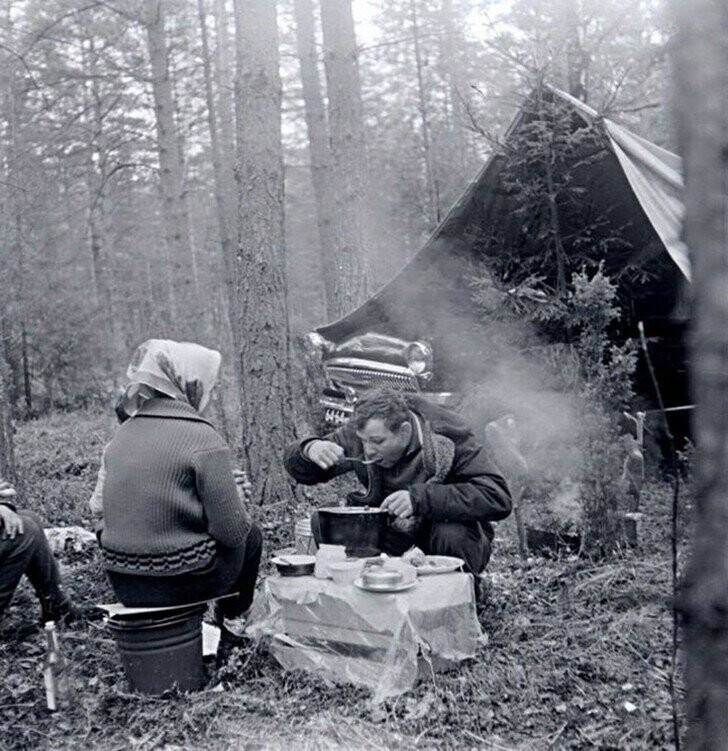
(175, 530)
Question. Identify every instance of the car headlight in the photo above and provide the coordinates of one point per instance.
(419, 358)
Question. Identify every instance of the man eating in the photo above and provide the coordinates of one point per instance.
(426, 469)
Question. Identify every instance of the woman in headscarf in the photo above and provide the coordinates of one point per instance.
(175, 530)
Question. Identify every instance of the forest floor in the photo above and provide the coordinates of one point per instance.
(578, 653)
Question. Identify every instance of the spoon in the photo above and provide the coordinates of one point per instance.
(361, 461)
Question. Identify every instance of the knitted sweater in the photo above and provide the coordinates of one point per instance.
(169, 496)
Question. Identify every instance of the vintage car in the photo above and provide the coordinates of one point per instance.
(367, 360)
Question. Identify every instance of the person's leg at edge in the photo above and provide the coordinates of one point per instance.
(231, 615)
(30, 554)
(462, 540)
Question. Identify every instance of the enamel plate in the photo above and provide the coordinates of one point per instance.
(439, 564)
(401, 587)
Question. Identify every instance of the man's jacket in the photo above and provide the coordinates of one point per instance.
(444, 468)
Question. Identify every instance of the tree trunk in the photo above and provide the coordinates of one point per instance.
(261, 332)
(174, 208)
(226, 135)
(27, 388)
(224, 91)
(318, 144)
(225, 193)
(701, 67)
(97, 168)
(346, 125)
(575, 58)
(223, 216)
(458, 115)
(557, 245)
(13, 267)
(7, 455)
(228, 189)
(20, 368)
(433, 203)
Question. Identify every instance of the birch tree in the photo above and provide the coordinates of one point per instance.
(701, 67)
(261, 332)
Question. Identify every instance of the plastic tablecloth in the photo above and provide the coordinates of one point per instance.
(366, 638)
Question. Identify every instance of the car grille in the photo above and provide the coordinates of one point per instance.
(336, 417)
(363, 379)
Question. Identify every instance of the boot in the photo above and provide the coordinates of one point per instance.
(232, 636)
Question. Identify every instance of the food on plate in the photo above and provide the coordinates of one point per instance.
(354, 510)
(431, 564)
(415, 557)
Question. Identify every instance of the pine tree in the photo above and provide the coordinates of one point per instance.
(701, 54)
(261, 332)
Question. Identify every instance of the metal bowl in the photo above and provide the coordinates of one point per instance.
(380, 577)
(294, 564)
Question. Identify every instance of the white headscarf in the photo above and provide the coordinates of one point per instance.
(181, 370)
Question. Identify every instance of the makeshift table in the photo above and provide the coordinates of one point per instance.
(368, 638)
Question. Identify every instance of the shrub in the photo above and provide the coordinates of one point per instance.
(581, 381)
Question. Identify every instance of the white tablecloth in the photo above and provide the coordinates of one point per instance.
(365, 638)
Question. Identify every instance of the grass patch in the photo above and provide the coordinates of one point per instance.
(578, 653)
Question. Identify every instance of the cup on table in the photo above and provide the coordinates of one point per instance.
(346, 572)
(325, 556)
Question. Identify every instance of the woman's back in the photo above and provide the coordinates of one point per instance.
(155, 518)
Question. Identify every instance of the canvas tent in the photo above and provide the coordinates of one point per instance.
(635, 183)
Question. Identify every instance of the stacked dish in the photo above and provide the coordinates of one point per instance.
(380, 579)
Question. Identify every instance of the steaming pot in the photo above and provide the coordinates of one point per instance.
(358, 528)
